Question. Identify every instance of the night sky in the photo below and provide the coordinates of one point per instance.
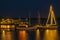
(16, 8)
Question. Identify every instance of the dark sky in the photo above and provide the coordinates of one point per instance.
(16, 8)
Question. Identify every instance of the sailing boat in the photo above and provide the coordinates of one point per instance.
(22, 24)
(38, 25)
(51, 21)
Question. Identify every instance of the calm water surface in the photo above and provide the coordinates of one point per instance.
(11, 34)
(29, 35)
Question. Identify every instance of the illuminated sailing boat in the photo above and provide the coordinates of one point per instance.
(51, 21)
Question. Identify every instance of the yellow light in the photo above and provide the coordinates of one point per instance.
(8, 26)
(6, 35)
(22, 35)
(3, 35)
(51, 17)
(38, 35)
(51, 35)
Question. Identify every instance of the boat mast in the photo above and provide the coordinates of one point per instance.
(29, 19)
(38, 18)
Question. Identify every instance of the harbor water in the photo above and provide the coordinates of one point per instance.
(29, 35)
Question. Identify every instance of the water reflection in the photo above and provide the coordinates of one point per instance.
(37, 34)
(51, 35)
(6, 35)
(22, 35)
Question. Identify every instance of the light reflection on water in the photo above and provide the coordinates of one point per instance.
(6, 35)
(22, 35)
(37, 34)
(50, 35)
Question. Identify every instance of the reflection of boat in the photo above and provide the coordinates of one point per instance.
(6, 35)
